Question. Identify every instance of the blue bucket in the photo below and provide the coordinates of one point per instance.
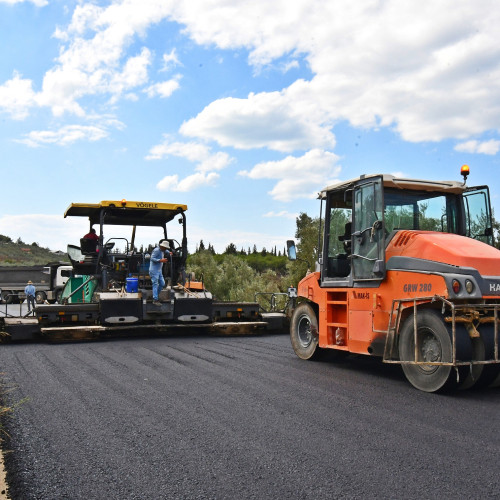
(132, 285)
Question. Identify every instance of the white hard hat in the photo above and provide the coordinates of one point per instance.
(165, 244)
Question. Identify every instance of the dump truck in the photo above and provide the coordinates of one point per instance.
(110, 290)
(49, 281)
(406, 272)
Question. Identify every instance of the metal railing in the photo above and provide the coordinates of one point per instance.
(472, 315)
(14, 296)
(274, 301)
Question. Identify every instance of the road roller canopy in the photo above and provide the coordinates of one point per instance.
(126, 213)
(390, 181)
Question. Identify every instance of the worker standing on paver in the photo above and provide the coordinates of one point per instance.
(155, 269)
(30, 291)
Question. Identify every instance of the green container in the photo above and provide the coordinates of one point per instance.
(84, 294)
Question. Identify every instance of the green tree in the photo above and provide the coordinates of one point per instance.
(496, 230)
(231, 249)
(261, 263)
(307, 232)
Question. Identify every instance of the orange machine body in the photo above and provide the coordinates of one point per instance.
(357, 319)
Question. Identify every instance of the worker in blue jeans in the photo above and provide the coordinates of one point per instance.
(30, 291)
(155, 269)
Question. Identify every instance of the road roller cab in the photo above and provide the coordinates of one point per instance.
(407, 272)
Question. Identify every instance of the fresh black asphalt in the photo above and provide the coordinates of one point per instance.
(201, 417)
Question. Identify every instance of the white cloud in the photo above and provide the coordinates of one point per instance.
(168, 183)
(51, 231)
(62, 88)
(430, 70)
(276, 120)
(285, 67)
(170, 60)
(490, 147)
(93, 58)
(85, 18)
(282, 214)
(82, 75)
(192, 151)
(298, 177)
(134, 74)
(194, 181)
(207, 164)
(217, 161)
(65, 135)
(267, 29)
(17, 97)
(163, 89)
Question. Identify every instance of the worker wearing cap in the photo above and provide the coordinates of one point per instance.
(155, 269)
(30, 291)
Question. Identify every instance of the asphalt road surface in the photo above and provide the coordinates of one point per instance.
(236, 418)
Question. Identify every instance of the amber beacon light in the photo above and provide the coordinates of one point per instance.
(465, 171)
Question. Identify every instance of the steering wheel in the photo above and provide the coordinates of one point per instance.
(177, 252)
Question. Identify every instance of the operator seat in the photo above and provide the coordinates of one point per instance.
(346, 237)
(88, 246)
(134, 262)
(82, 263)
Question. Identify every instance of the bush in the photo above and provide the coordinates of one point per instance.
(229, 277)
(261, 263)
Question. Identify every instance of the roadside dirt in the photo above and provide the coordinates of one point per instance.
(3, 484)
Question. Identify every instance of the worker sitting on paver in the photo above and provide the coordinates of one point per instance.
(91, 235)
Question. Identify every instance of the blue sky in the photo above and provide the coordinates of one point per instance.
(241, 110)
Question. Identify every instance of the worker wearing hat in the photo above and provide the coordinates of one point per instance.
(30, 291)
(155, 269)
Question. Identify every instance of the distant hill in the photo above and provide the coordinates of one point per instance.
(21, 254)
